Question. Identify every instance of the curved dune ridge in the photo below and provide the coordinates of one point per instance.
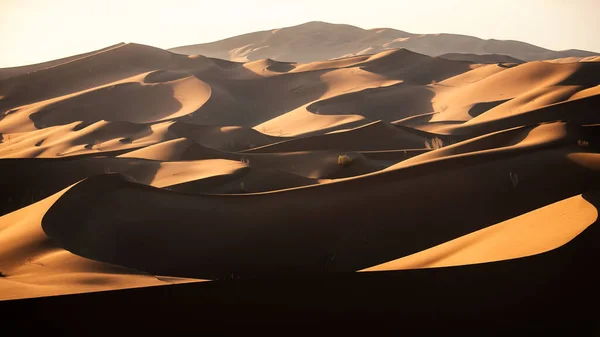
(374, 136)
(481, 58)
(532, 233)
(229, 240)
(133, 166)
(33, 265)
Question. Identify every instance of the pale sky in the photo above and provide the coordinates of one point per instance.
(33, 31)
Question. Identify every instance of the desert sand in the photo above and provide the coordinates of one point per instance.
(136, 167)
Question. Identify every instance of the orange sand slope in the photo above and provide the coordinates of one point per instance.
(133, 166)
(532, 233)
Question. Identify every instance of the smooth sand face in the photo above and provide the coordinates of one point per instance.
(532, 233)
(132, 166)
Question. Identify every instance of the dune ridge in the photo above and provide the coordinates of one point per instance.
(316, 40)
(525, 235)
(33, 265)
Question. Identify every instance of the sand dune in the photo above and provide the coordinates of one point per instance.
(316, 164)
(32, 265)
(76, 138)
(410, 66)
(128, 100)
(225, 238)
(131, 59)
(474, 75)
(476, 58)
(524, 138)
(17, 71)
(176, 150)
(572, 59)
(265, 172)
(316, 41)
(228, 138)
(306, 153)
(245, 180)
(532, 233)
(535, 91)
(374, 136)
(319, 164)
(387, 103)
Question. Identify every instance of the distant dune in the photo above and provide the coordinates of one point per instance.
(315, 41)
(16, 71)
(475, 58)
(135, 167)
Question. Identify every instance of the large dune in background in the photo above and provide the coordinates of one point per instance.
(315, 41)
(381, 171)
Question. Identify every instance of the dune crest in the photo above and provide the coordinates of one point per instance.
(532, 233)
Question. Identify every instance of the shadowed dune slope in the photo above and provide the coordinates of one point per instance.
(413, 67)
(177, 150)
(229, 242)
(33, 265)
(228, 138)
(199, 176)
(375, 136)
(537, 295)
